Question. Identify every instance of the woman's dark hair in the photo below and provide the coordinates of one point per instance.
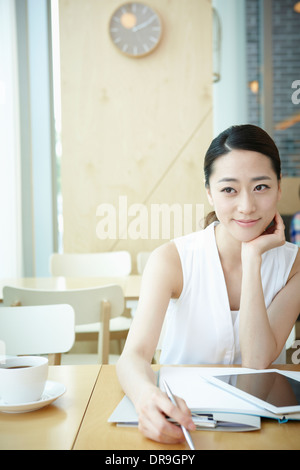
(242, 137)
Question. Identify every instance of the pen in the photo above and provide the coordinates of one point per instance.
(184, 430)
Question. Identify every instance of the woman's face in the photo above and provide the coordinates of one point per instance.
(244, 190)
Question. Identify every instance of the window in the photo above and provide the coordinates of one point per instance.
(283, 44)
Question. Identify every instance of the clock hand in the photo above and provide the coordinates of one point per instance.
(143, 25)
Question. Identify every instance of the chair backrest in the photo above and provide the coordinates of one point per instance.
(46, 329)
(85, 302)
(114, 263)
(141, 260)
(91, 305)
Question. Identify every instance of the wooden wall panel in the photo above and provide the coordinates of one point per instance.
(132, 127)
(290, 201)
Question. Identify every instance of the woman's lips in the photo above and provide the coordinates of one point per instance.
(246, 223)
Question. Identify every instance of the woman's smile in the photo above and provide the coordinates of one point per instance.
(247, 223)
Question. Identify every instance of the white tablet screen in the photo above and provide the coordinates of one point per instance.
(271, 387)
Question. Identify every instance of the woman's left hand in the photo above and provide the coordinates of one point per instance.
(272, 237)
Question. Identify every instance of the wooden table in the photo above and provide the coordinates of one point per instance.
(130, 284)
(78, 420)
(96, 433)
(55, 426)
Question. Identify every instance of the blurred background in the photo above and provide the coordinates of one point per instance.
(83, 124)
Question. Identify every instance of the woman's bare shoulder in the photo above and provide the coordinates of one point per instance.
(164, 263)
(167, 252)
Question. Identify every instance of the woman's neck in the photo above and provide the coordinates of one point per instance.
(228, 247)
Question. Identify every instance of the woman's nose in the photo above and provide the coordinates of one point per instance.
(246, 204)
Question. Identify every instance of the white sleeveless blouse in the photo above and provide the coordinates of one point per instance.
(201, 329)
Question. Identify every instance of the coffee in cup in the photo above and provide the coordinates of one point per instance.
(23, 379)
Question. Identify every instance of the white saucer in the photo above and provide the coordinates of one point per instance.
(53, 390)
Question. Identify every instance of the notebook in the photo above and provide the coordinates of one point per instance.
(204, 398)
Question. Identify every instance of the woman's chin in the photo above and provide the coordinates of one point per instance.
(245, 235)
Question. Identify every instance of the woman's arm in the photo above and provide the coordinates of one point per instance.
(263, 332)
(162, 280)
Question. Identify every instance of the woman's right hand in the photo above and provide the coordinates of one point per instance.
(152, 411)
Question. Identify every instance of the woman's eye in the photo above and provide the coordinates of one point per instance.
(228, 190)
(261, 187)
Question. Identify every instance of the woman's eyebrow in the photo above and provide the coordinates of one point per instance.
(256, 178)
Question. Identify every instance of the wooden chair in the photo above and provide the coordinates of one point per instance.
(46, 329)
(91, 306)
(110, 264)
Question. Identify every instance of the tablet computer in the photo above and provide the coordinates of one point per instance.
(268, 389)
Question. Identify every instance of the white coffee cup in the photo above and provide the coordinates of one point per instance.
(23, 379)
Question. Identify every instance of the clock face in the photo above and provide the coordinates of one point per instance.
(135, 29)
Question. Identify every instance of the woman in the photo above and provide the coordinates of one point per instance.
(231, 290)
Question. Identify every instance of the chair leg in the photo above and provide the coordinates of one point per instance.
(104, 335)
(54, 359)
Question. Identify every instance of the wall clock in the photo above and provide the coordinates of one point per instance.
(135, 29)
